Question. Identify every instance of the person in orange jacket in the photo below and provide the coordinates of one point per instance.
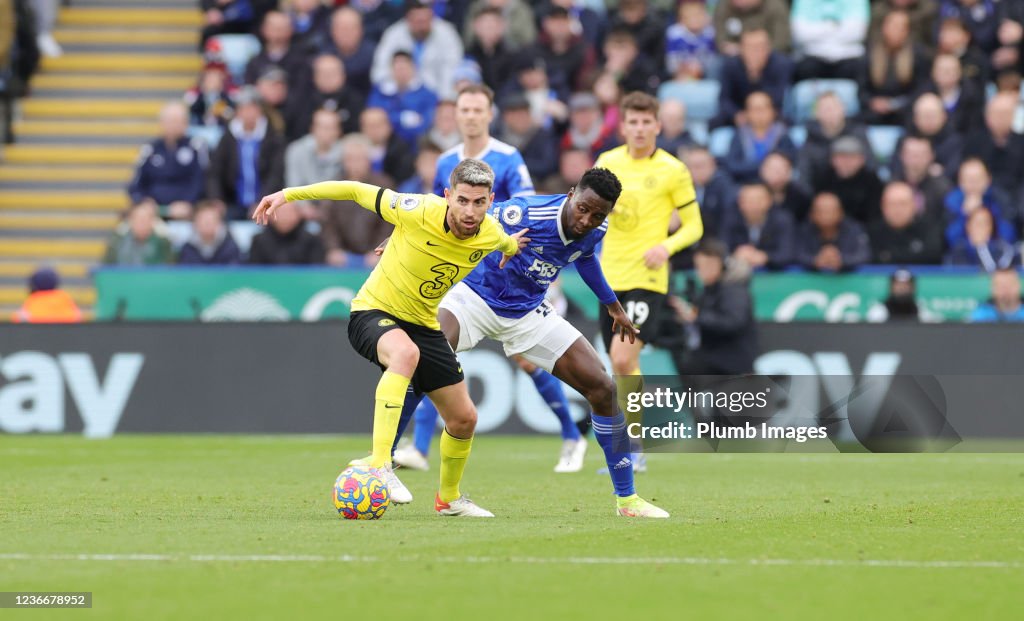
(46, 303)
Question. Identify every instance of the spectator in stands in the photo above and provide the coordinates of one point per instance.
(572, 164)
(690, 52)
(830, 124)
(923, 16)
(647, 28)
(1005, 303)
(758, 233)
(329, 91)
(979, 16)
(211, 101)
(788, 194)
(828, 37)
(410, 105)
(983, 247)
(47, 302)
(278, 51)
(735, 17)
(445, 132)
(955, 39)
(715, 189)
(272, 88)
(349, 43)
(437, 48)
(963, 102)
(389, 155)
(315, 157)
(1009, 35)
(521, 27)
(758, 134)
(916, 167)
(623, 62)
(489, 48)
(248, 162)
(531, 79)
(829, 241)
(210, 242)
(348, 228)
(136, 242)
(756, 68)
(426, 169)
(674, 135)
(859, 189)
(377, 15)
(286, 241)
(169, 170)
(998, 145)
(901, 303)
(537, 145)
(570, 60)
(587, 17)
(903, 236)
(975, 191)
(226, 17)
(896, 68)
(586, 127)
(930, 121)
(309, 22)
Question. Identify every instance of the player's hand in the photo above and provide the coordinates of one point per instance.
(522, 240)
(268, 205)
(656, 257)
(621, 324)
(379, 250)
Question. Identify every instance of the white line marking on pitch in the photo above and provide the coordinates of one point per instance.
(525, 560)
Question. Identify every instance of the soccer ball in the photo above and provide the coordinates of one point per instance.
(360, 494)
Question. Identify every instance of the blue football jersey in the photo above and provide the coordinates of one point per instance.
(511, 178)
(520, 287)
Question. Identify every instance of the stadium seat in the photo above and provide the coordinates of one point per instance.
(719, 141)
(237, 49)
(803, 95)
(798, 135)
(209, 134)
(698, 131)
(883, 140)
(699, 96)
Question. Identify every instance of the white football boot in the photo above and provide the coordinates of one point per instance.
(461, 506)
(571, 459)
(400, 494)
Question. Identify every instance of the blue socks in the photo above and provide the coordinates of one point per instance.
(411, 401)
(550, 388)
(426, 423)
(611, 435)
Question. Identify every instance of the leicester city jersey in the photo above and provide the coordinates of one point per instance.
(511, 178)
(520, 287)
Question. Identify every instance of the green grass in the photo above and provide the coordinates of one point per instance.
(751, 536)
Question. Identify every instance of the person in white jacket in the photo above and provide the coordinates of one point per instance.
(434, 44)
(828, 37)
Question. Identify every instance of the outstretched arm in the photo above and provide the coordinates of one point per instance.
(368, 196)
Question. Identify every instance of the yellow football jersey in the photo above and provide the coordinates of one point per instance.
(652, 188)
(423, 259)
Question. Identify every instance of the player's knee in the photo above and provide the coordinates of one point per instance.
(622, 362)
(462, 423)
(601, 394)
(404, 358)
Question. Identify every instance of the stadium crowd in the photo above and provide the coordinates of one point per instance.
(823, 134)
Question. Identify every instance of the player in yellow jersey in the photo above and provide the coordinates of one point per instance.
(637, 247)
(436, 243)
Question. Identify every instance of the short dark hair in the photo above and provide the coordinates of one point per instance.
(603, 182)
(402, 54)
(711, 247)
(476, 89)
(620, 34)
(425, 143)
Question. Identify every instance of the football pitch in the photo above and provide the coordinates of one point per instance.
(229, 527)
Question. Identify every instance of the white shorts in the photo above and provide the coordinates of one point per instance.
(541, 336)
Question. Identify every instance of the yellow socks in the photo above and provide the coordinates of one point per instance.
(454, 452)
(387, 409)
(625, 384)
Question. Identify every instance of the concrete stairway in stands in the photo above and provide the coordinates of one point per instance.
(62, 184)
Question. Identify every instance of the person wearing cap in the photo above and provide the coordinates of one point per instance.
(169, 171)
(830, 123)
(409, 103)
(248, 162)
(859, 189)
(272, 89)
(46, 303)
(435, 46)
(901, 302)
(535, 143)
(587, 129)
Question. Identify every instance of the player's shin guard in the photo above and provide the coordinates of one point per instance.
(454, 453)
(550, 388)
(387, 410)
(611, 435)
(411, 401)
(426, 422)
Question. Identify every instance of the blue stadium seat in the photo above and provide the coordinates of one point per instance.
(699, 96)
(803, 95)
(798, 135)
(719, 141)
(210, 134)
(883, 139)
(237, 49)
(698, 131)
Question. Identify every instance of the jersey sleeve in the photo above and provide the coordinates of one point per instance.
(684, 197)
(683, 192)
(517, 178)
(388, 204)
(494, 232)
